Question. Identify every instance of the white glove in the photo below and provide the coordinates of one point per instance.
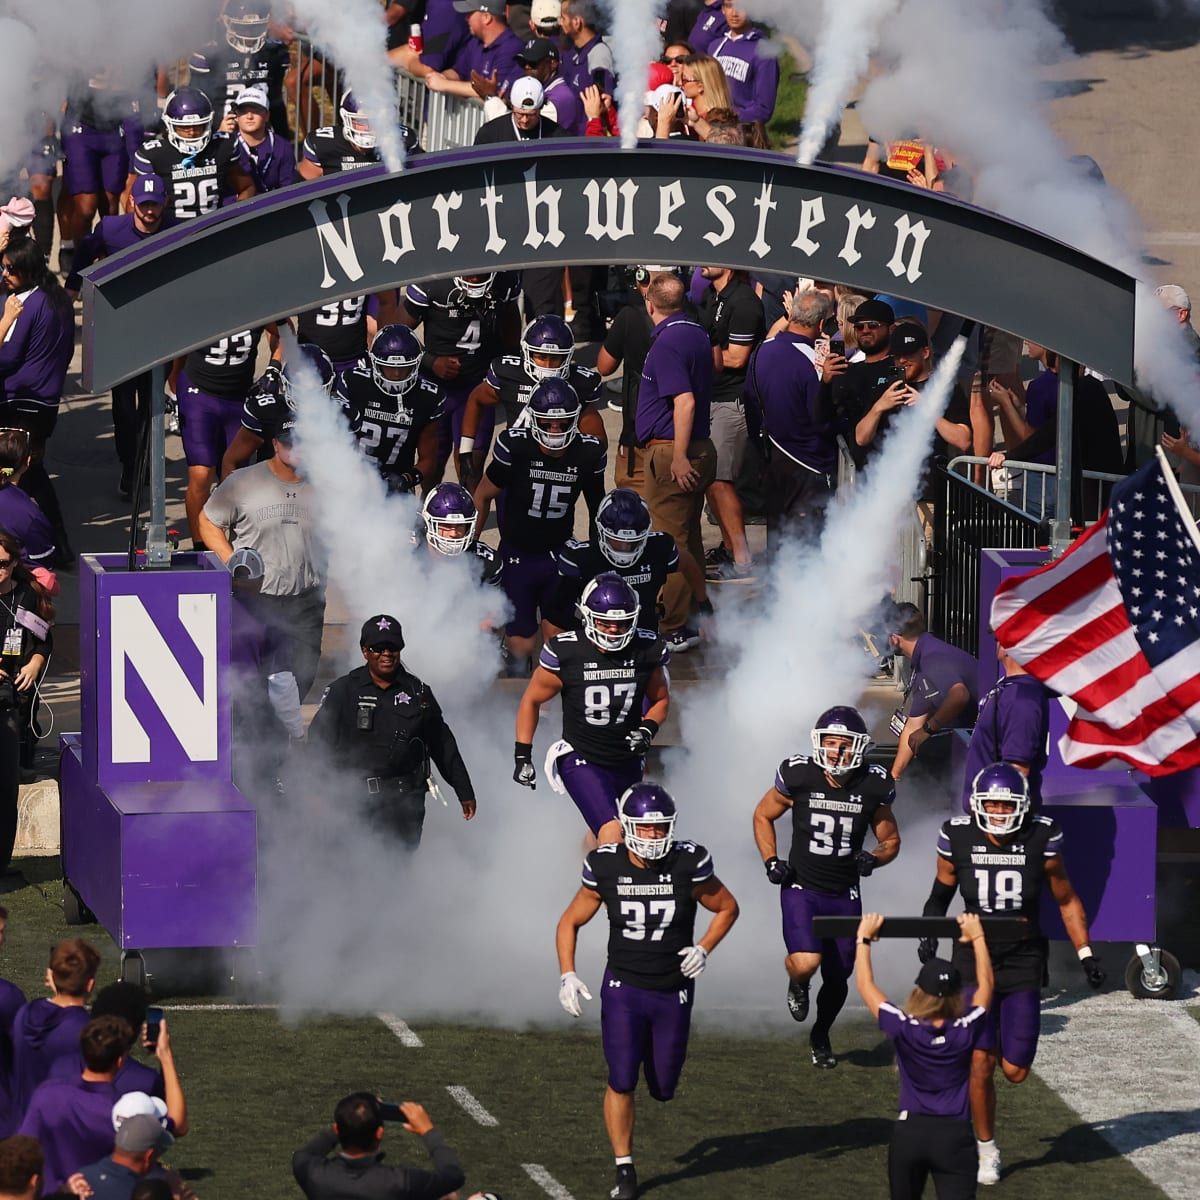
(569, 992)
(695, 959)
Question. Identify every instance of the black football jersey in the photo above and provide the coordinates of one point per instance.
(651, 910)
(339, 328)
(228, 72)
(507, 378)
(541, 489)
(263, 410)
(388, 427)
(1003, 880)
(580, 562)
(830, 824)
(602, 692)
(329, 148)
(226, 368)
(456, 326)
(194, 182)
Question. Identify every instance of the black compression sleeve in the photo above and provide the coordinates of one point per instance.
(939, 899)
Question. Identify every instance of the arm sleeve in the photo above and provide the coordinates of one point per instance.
(766, 86)
(446, 1177)
(443, 749)
(12, 351)
(311, 1155)
(91, 249)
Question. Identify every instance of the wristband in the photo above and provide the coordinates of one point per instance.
(864, 942)
(929, 729)
(1084, 952)
(651, 725)
(466, 444)
(523, 751)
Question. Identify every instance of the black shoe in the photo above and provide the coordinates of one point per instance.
(66, 260)
(822, 1052)
(717, 555)
(125, 487)
(626, 1185)
(64, 556)
(798, 999)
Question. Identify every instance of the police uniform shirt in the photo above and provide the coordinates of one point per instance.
(194, 181)
(457, 326)
(541, 489)
(333, 152)
(339, 328)
(829, 824)
(580, 562)
(226, 368)
(651, 910)
(389, 427)
(1003, 880)
(507, 378)
(602, 692)
(733, 317)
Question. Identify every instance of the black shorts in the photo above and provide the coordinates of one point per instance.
(943, 1147)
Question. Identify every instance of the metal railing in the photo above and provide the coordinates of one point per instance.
(311, 97)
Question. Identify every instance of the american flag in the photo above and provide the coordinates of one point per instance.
(1115, 625)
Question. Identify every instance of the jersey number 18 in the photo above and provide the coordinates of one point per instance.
(1007, 893)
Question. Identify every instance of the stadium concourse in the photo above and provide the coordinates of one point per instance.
(512, 1086)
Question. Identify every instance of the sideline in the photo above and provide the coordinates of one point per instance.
(402, 1030)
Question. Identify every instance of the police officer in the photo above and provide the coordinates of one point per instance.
(383, 725)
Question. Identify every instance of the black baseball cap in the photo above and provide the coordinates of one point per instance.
(285, 431)
(874, 310)
(382, 630)
(939, 978)
(908, 339)
(537, 50)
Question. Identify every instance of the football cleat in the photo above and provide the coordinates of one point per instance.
(822, 1052)
(626, 1186)
(989, 1163)
(797, 1000)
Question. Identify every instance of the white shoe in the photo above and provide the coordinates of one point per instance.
(989, 1164)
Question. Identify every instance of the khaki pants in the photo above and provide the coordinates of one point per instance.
(630, 468)
(678, 513)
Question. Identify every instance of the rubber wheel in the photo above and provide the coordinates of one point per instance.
(133, 969)
(1136, 984)
(74, 910)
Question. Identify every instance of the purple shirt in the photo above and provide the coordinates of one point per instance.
(1013, 726)
(42, 1032)
(12, 999)
(110, 235)
(936, 668)
(1041, 405)
(444, 33)
(568, 104)
(680, 360)
(133, 1076)
(500, 56)
(28, 524)
(271, 164)
(709, 29)
(753, 78)
(72, 1119)
(35, 356)
(785, 381)
(934, 1061)
(578, 63)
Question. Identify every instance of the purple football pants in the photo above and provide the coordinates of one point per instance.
(530, 581)
(645, 1029)
(95, 162)
(207, 423)
(595, 788)
(1012, 1025)
(800, 905)
(452, 419)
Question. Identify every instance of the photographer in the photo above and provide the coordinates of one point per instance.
(357, 1169)
(27, 615)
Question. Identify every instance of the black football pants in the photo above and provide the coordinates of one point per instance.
(939, 1146)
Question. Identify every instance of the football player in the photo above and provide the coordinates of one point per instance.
(605, 678)
(626, 545)
(268, 404)
(540, 470)
(198, 168)
(651, 886)
(347, 146)
(449, 518)
(245, 57)
(466, 321)
(394, 410)
(834, 800)
(547, 348)
(999, 858)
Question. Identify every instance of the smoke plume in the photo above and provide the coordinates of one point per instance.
(634, 38)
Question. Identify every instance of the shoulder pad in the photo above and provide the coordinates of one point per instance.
(961, 821)
(646, 635)
(589, 439)
(575, 544)
(608, 848)
(879, 772)
(512, 360)
(515, 434)
(798, 760)
(326, 131)
(586, 372)
(153, 144)
(568, 635)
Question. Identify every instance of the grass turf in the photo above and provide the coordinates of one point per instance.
(784, 126)
(752, 1114)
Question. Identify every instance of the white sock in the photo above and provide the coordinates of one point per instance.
(625, 1160)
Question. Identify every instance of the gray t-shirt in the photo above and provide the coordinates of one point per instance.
(259, 510)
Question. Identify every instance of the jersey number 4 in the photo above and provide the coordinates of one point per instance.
(1006, 897)
(831, 835)
(599, 702)
(634, 916)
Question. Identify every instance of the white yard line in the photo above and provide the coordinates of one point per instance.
(1128, 1068)
(467, 1102)
(546, 1181)
(219, 1007)
(402, 1030)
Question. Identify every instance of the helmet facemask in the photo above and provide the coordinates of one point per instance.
(246, 34)
(835, 759)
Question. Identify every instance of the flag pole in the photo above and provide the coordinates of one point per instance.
(1189, 522)
(1060, 527)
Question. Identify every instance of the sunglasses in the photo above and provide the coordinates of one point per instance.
(5, 563)
(868, 324)
(675, 60)
(8, 269)
(388, 649)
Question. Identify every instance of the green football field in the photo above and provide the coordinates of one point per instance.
(752, 1119)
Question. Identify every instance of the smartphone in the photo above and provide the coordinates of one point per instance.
(389, 1110)
(154, 1018)
(830, 327)
(598, 79)
(886, 377)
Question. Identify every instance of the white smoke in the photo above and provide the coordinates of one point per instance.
(354, 34)
(634, 38)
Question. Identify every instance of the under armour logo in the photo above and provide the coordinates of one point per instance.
(614, 983)
(581, 762)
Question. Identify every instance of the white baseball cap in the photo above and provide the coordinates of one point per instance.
(1173, 296)
(545, 13)
(526, 95)
(137, 1104)
(253, 95)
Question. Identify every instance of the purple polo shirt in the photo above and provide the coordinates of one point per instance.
(37, 351)
(42, 1032)
(110, 235)
(934, 1061)
(133, 1076)
(444, 33)
(72, 1119)
(752, 77)
(568, 104)
(709, 29)
(1041, 405)
(785, 381)
(1013, 726)
(271, 164)
(12, 999)
(28, 524)
(577, 65)
(680, 360)
(936, 667)
(500, 56)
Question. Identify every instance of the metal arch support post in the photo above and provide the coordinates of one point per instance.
(158, 551)
(1060, 527)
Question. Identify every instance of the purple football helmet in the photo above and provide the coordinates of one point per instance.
(395, 348)
(1000, 783)
(356, 125)
(608, 599)
(188, 108)
(552, 414)
(245, 24)
(449, 514)
(646, 804)
(317, 361)
(622, 526)
(841, 721)
(548, 336)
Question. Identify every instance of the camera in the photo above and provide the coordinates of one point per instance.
(364, 720)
